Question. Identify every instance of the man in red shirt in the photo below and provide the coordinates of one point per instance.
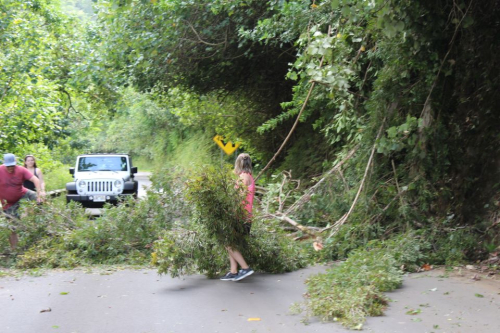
(12, 191)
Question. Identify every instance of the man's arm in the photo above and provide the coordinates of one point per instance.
(39, 190)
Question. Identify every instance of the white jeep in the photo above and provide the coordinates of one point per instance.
(101, 178)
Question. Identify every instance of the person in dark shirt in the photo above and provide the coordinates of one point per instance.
(30, 164)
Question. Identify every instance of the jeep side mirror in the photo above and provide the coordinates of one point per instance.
(134, 170)
(71, 171)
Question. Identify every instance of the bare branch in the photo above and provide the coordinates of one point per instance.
(399, 195)
(70, 107)
(344, 218)
(201, 40)
(306, 196)
(298, 226)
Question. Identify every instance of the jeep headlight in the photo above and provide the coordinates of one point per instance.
(82, 183)
(118, 184)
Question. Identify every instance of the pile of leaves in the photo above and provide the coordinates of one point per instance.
(354, 289)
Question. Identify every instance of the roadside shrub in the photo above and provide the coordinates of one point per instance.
(349, 237)
(56, 178)
(454, 248)
(410, 249)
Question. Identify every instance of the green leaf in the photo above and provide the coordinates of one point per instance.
(413, 312)
(468, 21)
(392, 132)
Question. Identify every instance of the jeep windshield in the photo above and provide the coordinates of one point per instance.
(102, 163)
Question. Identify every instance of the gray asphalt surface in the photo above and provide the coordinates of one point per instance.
(460, 301)
(144, 183)
(141, 301)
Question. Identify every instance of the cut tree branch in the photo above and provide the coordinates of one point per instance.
(344, 218)
(306, 196)
(312, 231)
(298, 226)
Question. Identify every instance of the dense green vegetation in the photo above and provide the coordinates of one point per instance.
(386, 110)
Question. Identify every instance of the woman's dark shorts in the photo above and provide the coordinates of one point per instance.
(247, 226)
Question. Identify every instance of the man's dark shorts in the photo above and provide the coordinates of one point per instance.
(12, 210)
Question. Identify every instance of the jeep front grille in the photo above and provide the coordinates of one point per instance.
(100, 186)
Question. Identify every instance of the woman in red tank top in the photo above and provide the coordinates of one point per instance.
(243, 168)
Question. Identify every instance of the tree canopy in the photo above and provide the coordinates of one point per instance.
(409, 86)
(415, 80)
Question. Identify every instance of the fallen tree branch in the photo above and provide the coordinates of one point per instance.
(376, 217)
(344, 218)
(312, 231)
(396, 179)
(9, 216)
(282, 198)
(295, 224)
(16, 220)
(307, 196)
(346, 184)
(399, 195)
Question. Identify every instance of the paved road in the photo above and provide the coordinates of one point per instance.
(140, 301)
(442, 302)
(144, 182)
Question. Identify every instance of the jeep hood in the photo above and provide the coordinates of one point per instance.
(103, 175)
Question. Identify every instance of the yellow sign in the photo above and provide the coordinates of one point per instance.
(229, 147)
